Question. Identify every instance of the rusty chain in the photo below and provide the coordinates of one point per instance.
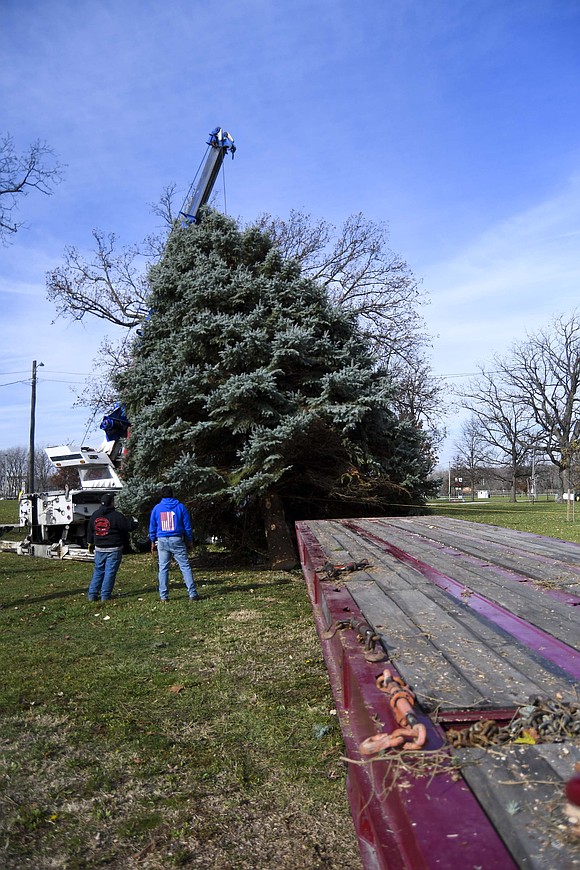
(540, 721)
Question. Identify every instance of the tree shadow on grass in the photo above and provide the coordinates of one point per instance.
(223, 564)
(223, 560)
(219, 586)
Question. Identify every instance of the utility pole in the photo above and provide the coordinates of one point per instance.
(32, 425)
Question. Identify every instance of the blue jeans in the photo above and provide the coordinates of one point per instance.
(106, 566)
(173, 545)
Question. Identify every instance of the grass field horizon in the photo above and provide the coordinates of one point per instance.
(542, 517)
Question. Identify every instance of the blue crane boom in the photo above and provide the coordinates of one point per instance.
(221, 143)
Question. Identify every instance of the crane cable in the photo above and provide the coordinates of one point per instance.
(195, 177)
(224, 185)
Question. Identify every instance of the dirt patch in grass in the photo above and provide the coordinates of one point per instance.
(245, 616)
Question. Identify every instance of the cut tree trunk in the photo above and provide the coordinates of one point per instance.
(281, 551)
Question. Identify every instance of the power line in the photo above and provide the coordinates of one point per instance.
(10, 383)
(80, 374)
(58, 381)
(51, 371)
(43, 381)
(468, 374)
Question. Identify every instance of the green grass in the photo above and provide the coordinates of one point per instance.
(136, 734)
(543, 517)
(8, 511)
(9, 516)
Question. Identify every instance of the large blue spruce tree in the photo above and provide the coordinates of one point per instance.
(257, 399)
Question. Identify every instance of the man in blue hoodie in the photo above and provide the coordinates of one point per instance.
(170, 530)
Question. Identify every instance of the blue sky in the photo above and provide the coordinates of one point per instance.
(455, 122)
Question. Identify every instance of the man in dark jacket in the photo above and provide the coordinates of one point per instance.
(107, 534)
(170, 530)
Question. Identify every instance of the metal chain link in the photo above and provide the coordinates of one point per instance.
(540, 721)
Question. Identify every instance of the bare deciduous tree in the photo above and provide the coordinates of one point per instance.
(543, 374)
(111, 285)
(99, 394)
(505, 423)
(43, 470)
(473, 453)
(20, 173)
(14, 470)
(418, 394)
(361, 273)
(164, 209)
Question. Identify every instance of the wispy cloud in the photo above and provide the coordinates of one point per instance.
(514, 277)
(511, 280)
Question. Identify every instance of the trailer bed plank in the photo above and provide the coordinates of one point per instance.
(453, 657)
(520, 788)
(550, 615)
(556, 563)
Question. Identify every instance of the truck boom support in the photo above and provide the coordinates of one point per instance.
(221, 143)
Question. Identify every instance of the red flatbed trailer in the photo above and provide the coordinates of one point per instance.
(482, 623)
